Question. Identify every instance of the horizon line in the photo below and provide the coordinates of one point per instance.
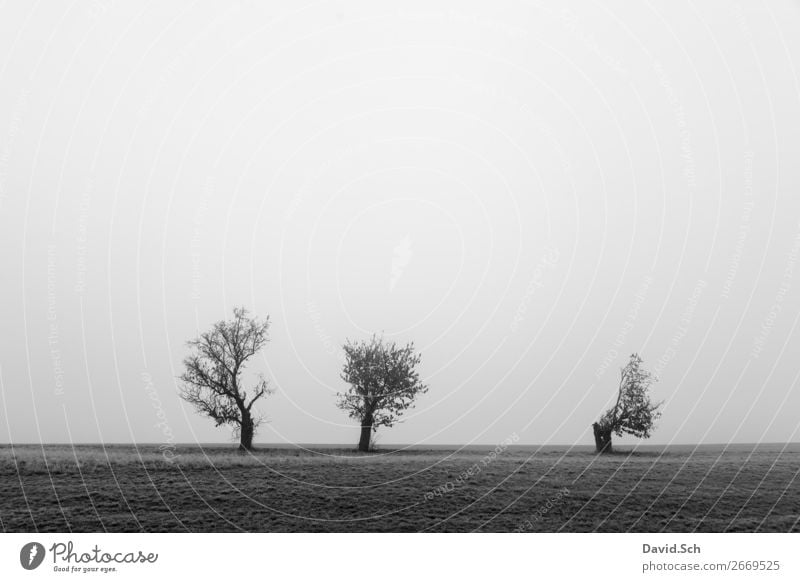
(406, 445)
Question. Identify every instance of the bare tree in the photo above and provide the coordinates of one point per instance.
(383, 383)
(212, 380)
(633, 413)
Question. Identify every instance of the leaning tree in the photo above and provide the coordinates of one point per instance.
(633, 413)
(212, 381)
(383, 383)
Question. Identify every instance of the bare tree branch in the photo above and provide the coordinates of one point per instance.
(211, 381)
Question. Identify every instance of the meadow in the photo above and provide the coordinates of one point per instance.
(92, 488)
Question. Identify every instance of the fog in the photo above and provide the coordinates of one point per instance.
(529, 193)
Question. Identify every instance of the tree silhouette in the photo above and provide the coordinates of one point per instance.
(383, 383)
(633, 413)
(212, 380)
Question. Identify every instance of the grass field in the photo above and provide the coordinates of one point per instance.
(125, 488)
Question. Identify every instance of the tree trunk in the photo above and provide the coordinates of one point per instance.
(246, 432)
(366, 433)
(602, 438)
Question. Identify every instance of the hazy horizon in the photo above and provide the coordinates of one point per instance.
(176, 449)
(528, 192)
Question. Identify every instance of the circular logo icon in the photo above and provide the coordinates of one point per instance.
(31, 555)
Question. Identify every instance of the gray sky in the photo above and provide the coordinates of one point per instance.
(528, 192)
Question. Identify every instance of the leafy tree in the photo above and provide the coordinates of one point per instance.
(383, 383)
(212, 381)
(633, 413)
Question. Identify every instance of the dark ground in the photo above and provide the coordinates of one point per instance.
(122, 488)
